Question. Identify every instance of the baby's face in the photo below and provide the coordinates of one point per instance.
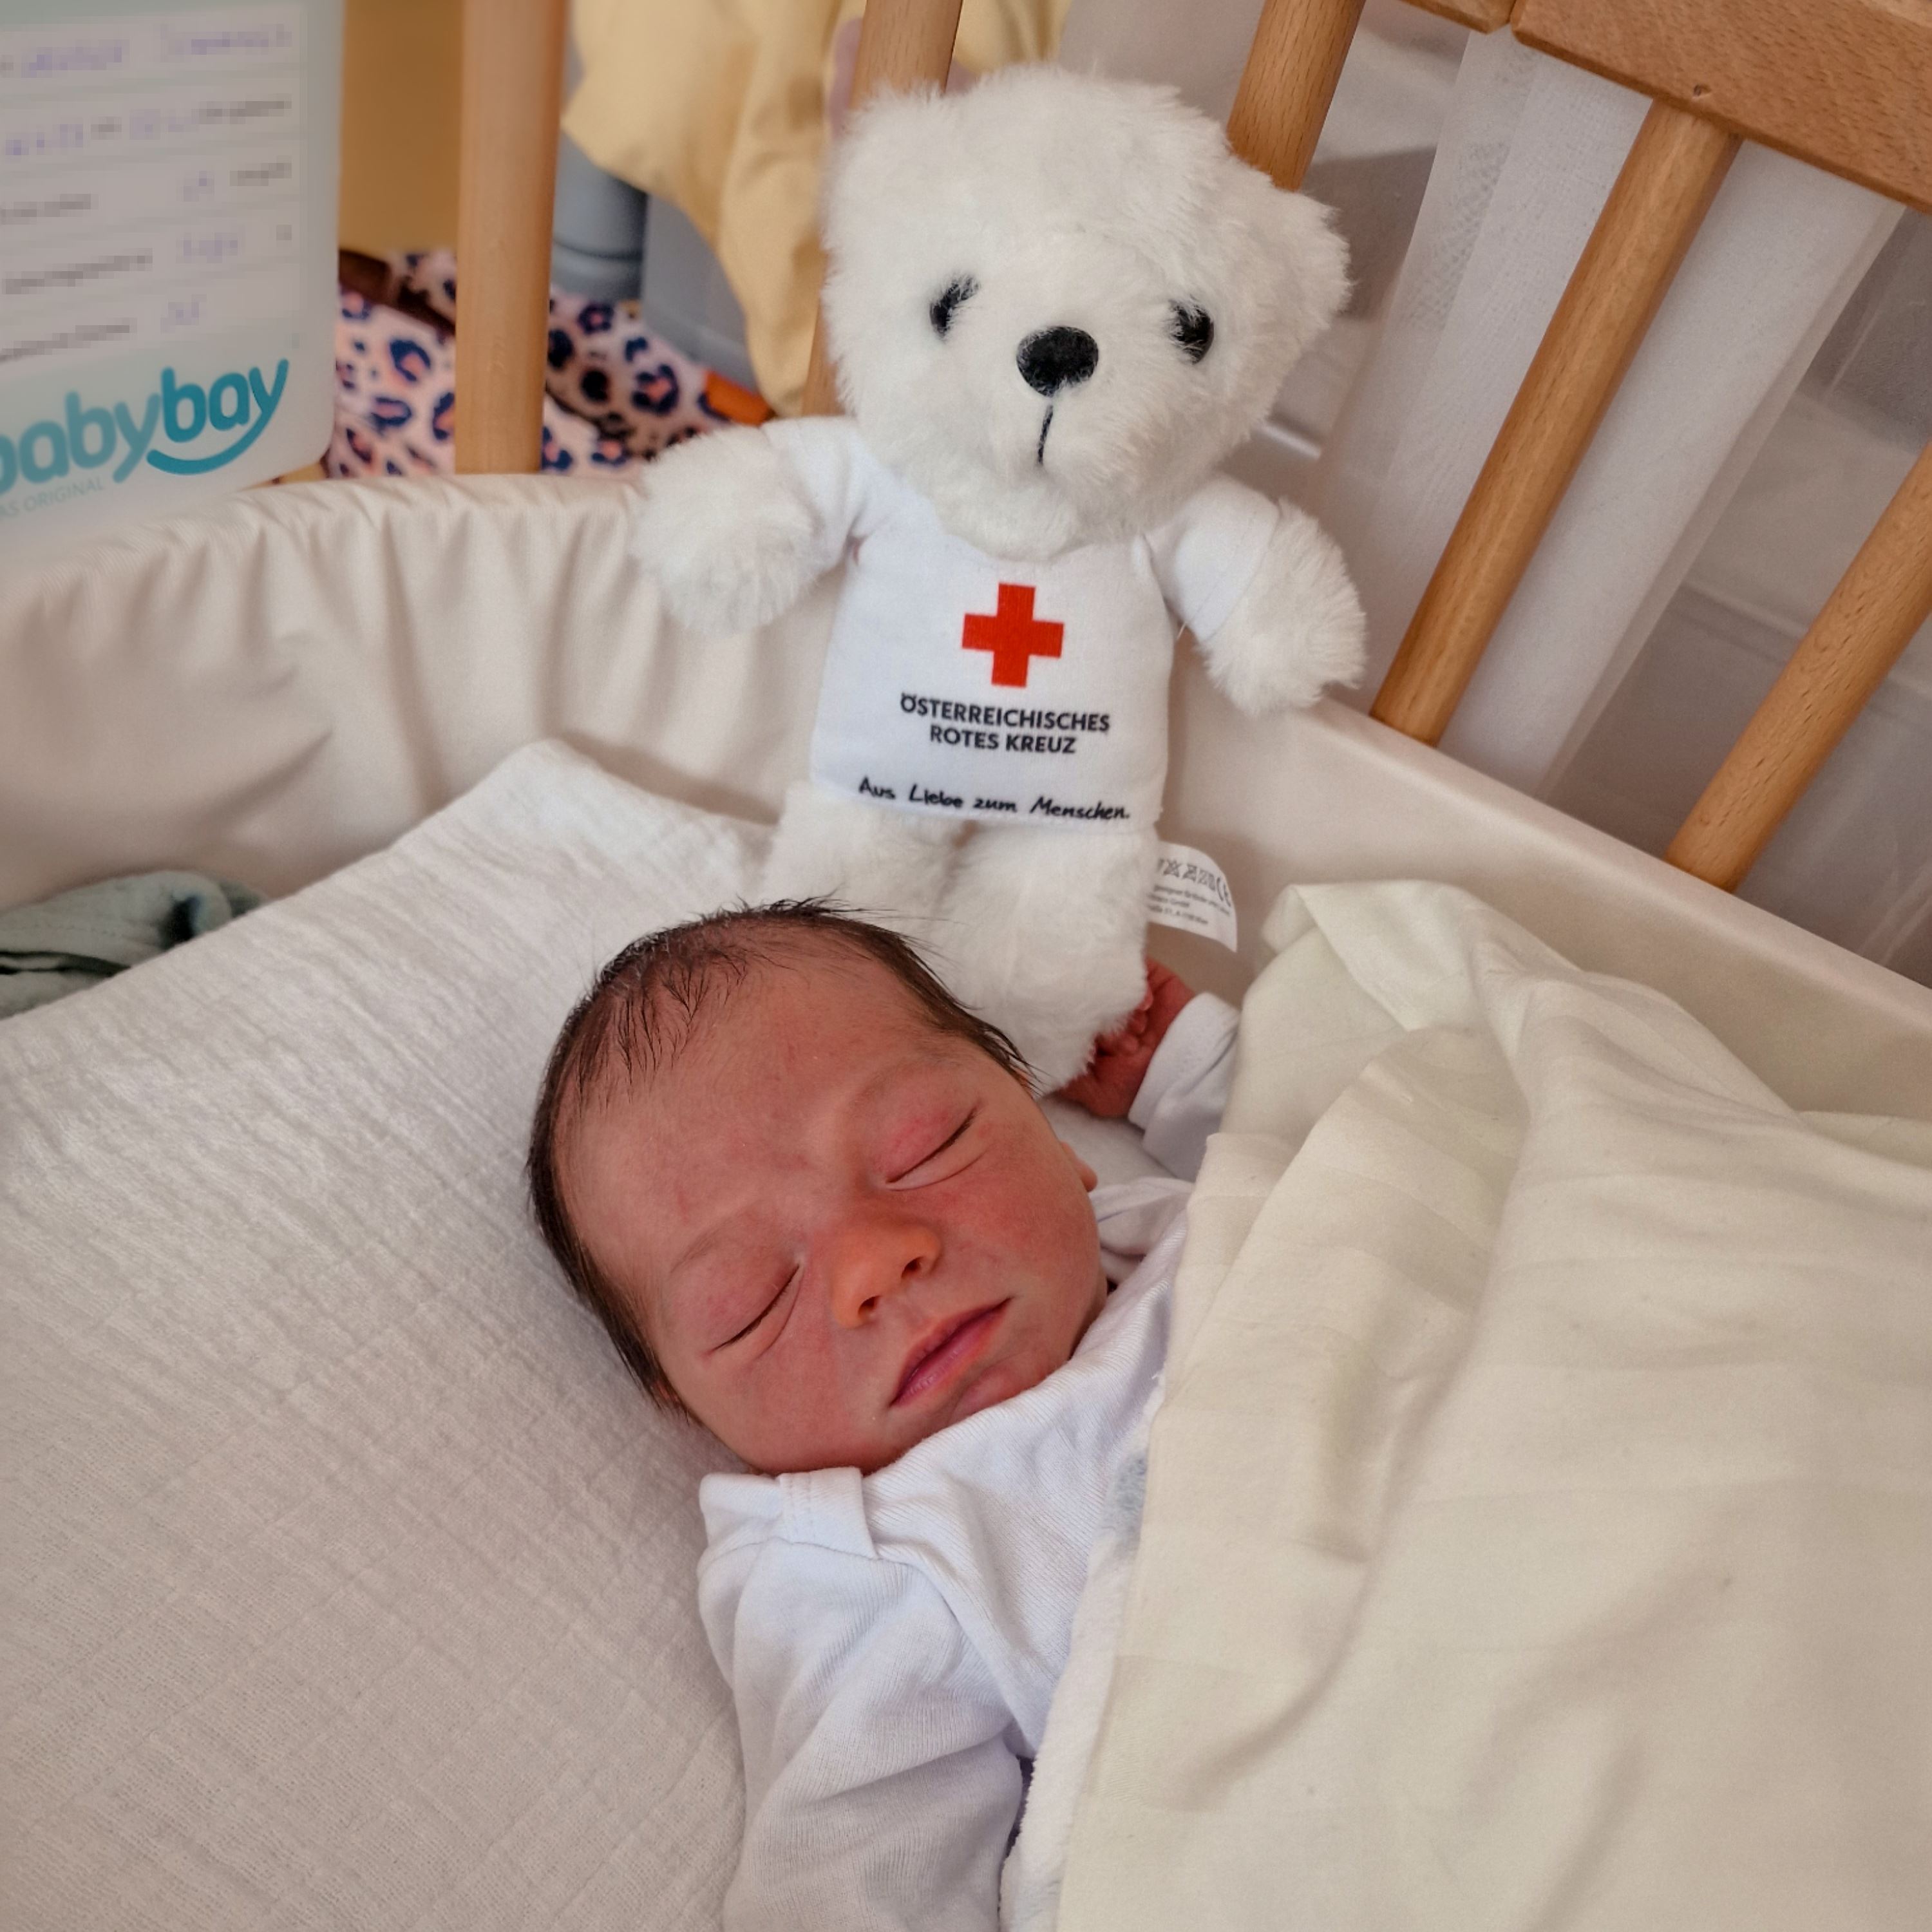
(838, 1230)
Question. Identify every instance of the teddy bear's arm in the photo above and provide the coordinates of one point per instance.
(1296, 628)
(731, 526)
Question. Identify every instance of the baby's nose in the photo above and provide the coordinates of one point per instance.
(1050, 358)
(873, 1258)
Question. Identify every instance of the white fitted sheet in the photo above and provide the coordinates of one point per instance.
(350, 1581)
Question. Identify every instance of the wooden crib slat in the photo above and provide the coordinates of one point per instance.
(1294, 62)
(902, 44)
(1867, 621)
(512, 84)
(1675, 166)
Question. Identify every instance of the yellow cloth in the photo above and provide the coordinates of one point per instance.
(719, 106)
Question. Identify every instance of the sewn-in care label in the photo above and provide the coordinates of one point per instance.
(1191, 895)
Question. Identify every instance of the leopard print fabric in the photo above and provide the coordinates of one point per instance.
(616, 394)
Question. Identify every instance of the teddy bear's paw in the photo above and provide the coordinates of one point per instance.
(1298, 627)
(721, 525)
(1041, 932)
(889, 867)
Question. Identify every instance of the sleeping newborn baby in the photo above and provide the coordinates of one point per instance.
(816, 1205)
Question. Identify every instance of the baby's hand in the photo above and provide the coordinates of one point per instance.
(1121, 1058)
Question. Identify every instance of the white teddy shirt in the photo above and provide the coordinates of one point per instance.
(1000, 690)
(892, 1642)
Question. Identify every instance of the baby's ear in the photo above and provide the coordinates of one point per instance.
(1089, 1179)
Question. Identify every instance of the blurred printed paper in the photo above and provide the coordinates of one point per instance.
(167, 255)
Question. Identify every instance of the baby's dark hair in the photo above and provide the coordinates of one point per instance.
(637, 1018)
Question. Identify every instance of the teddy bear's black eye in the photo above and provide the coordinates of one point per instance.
(1193, 329)
(957, 291)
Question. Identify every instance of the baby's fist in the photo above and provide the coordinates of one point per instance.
(1121, 1058)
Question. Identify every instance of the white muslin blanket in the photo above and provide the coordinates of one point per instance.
(1539, 1522)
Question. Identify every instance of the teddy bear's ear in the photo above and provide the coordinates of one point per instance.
(884, 155)
(1308, 266)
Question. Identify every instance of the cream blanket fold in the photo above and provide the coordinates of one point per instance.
(1539, 1522)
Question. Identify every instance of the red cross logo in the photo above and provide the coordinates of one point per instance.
(1013, 634)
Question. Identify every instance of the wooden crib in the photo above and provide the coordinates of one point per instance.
(1846, 86)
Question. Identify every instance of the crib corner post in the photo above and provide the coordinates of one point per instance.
(512, 90)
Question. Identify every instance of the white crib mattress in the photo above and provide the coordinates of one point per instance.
(350, 1580)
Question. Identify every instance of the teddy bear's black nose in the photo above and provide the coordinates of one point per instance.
(1050, 358)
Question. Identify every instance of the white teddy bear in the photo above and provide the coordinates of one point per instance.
(1056, 302)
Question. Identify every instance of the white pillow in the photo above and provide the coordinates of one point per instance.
(348, 1578)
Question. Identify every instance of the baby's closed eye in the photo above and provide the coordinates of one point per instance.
(940, 1161)
(764, 1301)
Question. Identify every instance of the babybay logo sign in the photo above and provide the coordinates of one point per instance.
(86, 437)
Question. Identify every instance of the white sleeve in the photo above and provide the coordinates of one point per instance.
(1207, 553)
(838, 475)
(881, 1783)
(1185, 1089)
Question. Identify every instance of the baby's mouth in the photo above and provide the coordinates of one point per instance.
(943, 1353)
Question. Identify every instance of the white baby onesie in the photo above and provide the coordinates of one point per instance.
(996, 689)
(892, 1642)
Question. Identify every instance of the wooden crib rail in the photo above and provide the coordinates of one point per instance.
(1846, 85)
